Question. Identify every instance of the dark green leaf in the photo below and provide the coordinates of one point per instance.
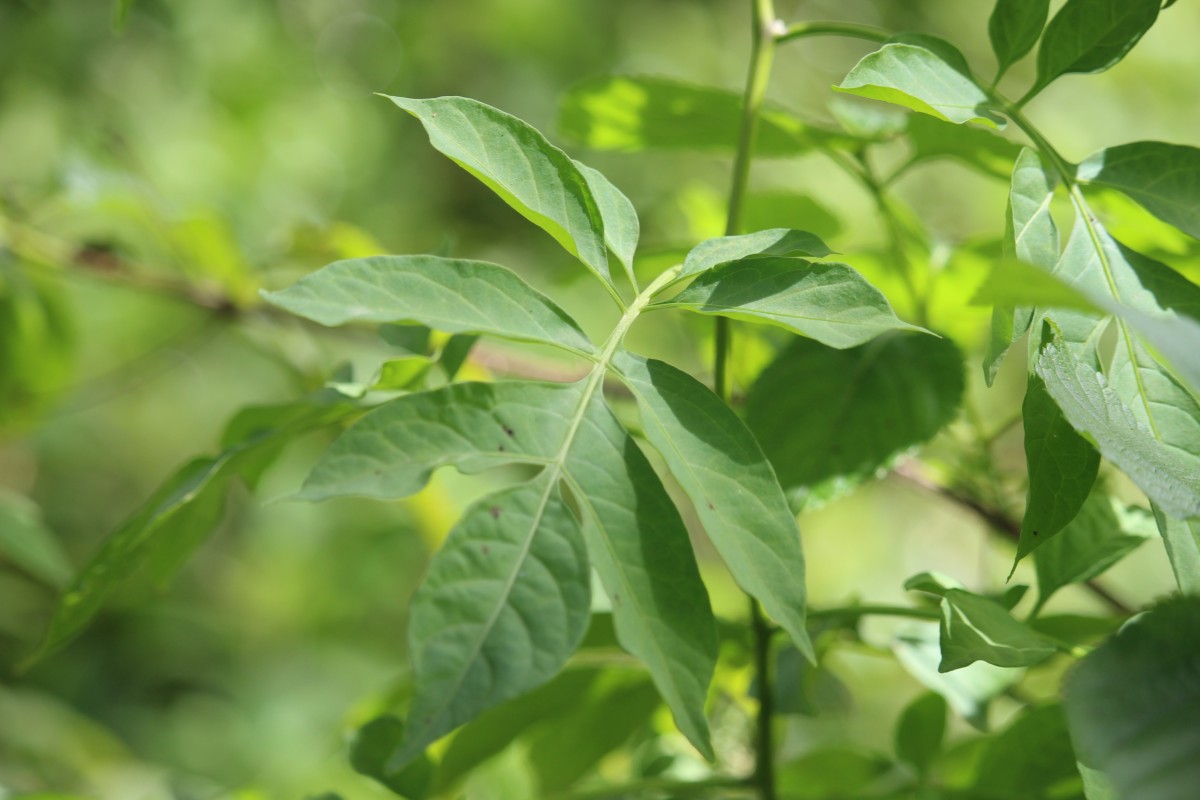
(1075, 628)
(370, 749)
(1163, 178)
(632, 113)
(1062, 468)
(450, 295)
(1132, 705)
(870, 403)
(1091, 543)
(917, 77)
(828, 302)
(807, 689)
(1182, 540)
(1014, 28)
(776, 242)
(975, 628)
(1091, 36)
(1029, 758)
(28, 544)
(516, 162)
(731, 485)
(920, 731)
(833, 772)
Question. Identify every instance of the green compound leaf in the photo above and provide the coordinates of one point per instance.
(505, 603)
(731, 484)
(1182, 540)
(635, 113)
(1163, 178)
(451, 295)
(26, 542)
(920, 732)
(829, 302)
(1091, 36)
(823, 414)
(976, 147)
(621, 225)
(370, 749)
(516, 162)
(1014, 28)
(1062, 469)
(917, 77)
(975, 628)
(1091, 543)
(775, 242)
(1132, 704)
(635, 537)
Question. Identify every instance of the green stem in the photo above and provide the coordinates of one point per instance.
(850, 30)
(855, 612)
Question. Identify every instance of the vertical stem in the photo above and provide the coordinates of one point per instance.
(765, 30)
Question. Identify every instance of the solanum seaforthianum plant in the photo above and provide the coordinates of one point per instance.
(1112, 342)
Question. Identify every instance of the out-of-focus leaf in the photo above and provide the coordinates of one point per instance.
(1075, 628)
(1029, 758)
(788, 210)
(37, 341)
(1091, 36)
(516, 162)
(634, 113)
(829, 772)
(979, 148)
(917, 77)
(807, 689)
(920, 731)
(828, 302)
(446, 294)
(28, 544)
(775, 242)
(1163, 178)
(975, 628)
(1132, 704)
(1014, 28)
(1182, 540)
(1089, 544)
(370, 749)
(868, 121)
(876, 405)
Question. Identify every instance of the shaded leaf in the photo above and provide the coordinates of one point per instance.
(516, 162)
(451, 295)
(731, 485)
(979, 148)
(920, 731)
(829, 772)
(775, 242)
(870, 401)
(1014, 28)
(1163, 178)
(828, 302)
(916, 77)
(1132, 704)
(806, 689)
(976, 628)
(373, 743)
(1091, 36)
(1182, 540)
(1029, 758)
(26, 542)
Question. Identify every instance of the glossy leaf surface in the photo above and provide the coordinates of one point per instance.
(450, 295)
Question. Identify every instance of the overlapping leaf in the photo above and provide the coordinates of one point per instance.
(1014, 28)
(976, 147)
(451, 295)
(976, 628)
(1182, 539)
(1091, 36)
(1163, 178)
(774, 242)
(829, 302)
(515, 161)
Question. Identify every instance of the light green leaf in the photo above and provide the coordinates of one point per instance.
(1169, 475)
(782, 209)
(1016, 283)
(634, 113)
(969, 690)
(1062, 467)
(1182, 539)
(1014, 28)
(451, 295)
(636, 539)
(370, 748)
(1091, 543)
(516, 162)
(979, 148)
(916, 77)
(1132, 704)
(975, 628)
(920, 731)
(28, 544)
(505, 603)
(935, 583)
(1091, 36)
(1163, 178)
(731, 485)
(776, 242)
(1096, 785)
(829, 302)
(868, 122)
(1031, 236)
(1029, 757)
(877, 405)
(621, 225)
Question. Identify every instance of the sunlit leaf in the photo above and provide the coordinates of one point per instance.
(919, 78)
(450, 295)
(775, 242)
(1014, 28)
(1163, 178)
(1091, 36)
(1132, 704)
(829, 302)
(516, 162)
(721, 467)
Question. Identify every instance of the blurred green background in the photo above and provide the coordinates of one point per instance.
(154, 175)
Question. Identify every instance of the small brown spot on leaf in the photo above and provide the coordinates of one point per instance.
(511, 433)
(483, 548)
(495, 512)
